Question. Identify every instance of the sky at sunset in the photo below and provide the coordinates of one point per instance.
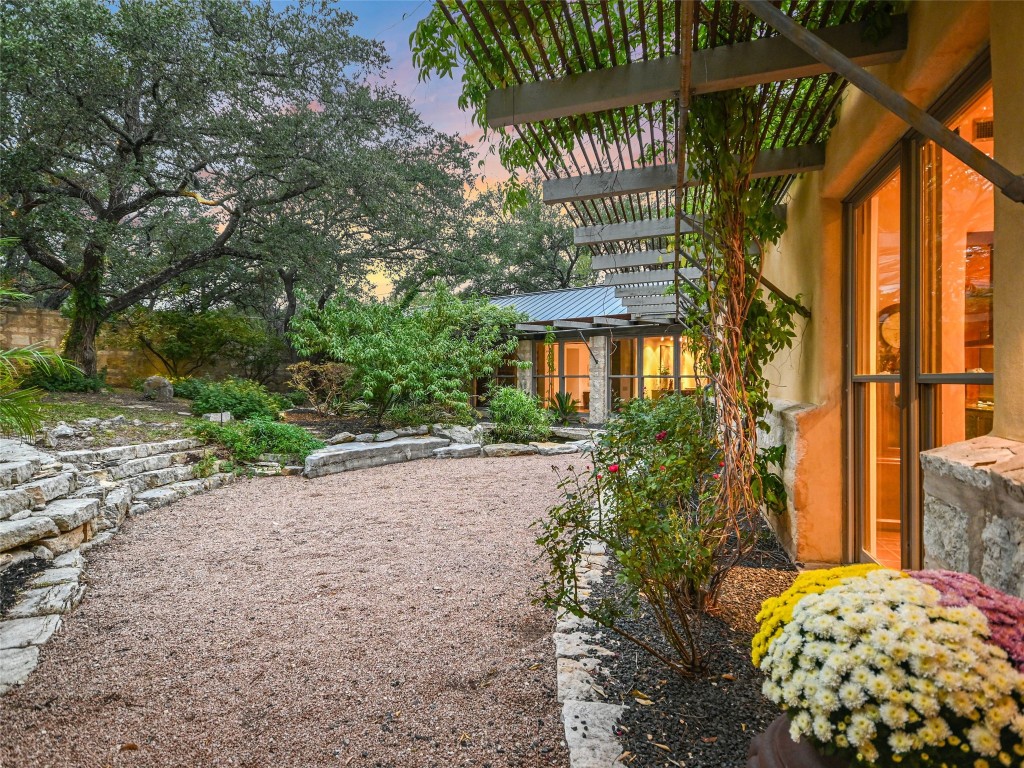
(392, 22)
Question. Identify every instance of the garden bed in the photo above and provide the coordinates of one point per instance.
(113, 418)
(706, 722)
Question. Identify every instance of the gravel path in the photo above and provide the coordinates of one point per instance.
(372, 618)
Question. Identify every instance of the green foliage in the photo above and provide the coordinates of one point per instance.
(322, 384)
(427, 355)
(518, 417)
(188, 150)
(563, 408)
(246, 440)
(768, 486)
(654, 488)
(243, 398)
(413, 415)
(45, 376)
(189, 388)
(185, 342)
(206, 466)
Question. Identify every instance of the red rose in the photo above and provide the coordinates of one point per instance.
(721, 463)
(716, 475)
(613, 468)
(661, 435)
(662, 467)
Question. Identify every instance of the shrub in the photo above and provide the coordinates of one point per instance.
(518, 417)
(246, 440)
(415, 414)
(427, 355)
(563, 408)
(323, 384)
(66, 378)
(188, 388)
(653, 486)
(243, 398)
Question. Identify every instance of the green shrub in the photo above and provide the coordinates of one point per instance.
(654, 486)
(412, 415)
(563, 408)
(425, 355)
(518, 417)
(322, 384)
(189, 388)
(243, 398)
(246, 440)
(64, 379)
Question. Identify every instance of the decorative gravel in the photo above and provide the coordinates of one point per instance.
(706, 722)
(373, 618)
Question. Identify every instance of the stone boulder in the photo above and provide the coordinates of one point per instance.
(158, 388)
(459, 434)
(555, 449)
(502, 450)
(62, 430)
(341, 437)
(385, 436)
(457, 451)
(219, 418)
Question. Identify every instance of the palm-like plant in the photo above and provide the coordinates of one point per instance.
(21, 410)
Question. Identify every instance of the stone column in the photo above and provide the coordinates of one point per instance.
(598, 379)
(524, 376)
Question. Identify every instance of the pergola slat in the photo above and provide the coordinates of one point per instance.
(627, 260)
(627, 230)
(715, 69)
(771, 162)
(572, 325)
(651, 276)
(613, 321)
(640, 290)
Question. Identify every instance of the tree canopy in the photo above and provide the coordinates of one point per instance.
(141, 143)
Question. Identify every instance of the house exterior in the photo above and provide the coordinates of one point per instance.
(901, 403)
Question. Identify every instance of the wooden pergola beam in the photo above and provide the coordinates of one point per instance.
(531, 328)
(651, 276)
(641, 290)
(626, 260)
(818, 46)
(612, 321)
(627, 230)
(572, 325)
(715, 69)
(770, 162)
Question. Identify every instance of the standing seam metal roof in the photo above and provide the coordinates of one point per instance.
(566, 304)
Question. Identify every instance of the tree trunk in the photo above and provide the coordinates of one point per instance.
(87, 311)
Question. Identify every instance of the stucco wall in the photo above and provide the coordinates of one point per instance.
(1008, 316)
(944, 38)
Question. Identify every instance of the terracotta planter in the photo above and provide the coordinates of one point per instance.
(775, 749)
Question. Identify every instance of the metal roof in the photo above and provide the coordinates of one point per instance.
(566, 303)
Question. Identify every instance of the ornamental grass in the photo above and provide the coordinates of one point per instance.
(885, 670)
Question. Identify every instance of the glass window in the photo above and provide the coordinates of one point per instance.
(563, 367)
(880, 519)
(877, 269)
(659, 366)
(957, 225)
(962, 412)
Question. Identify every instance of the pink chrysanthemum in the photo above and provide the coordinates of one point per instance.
(1005, 613)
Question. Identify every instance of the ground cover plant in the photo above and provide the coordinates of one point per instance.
(247, 440)
(518, 416)
(421, 357)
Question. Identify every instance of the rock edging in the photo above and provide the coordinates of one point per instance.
(588, 721)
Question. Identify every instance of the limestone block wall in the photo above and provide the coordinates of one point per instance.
(22, 326)
(974, 510)
(524, 376)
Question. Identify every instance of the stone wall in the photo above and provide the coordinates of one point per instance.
(974, 510)
(598, 379)
(22, 326)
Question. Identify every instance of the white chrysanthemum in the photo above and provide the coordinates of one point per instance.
(983, 741)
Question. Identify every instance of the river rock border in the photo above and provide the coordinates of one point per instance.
(589, 722)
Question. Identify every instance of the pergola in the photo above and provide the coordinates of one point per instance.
(596, 93)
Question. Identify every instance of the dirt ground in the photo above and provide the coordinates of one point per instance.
(373, 618)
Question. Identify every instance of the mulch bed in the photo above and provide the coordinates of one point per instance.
(706, 722)
(13, 579)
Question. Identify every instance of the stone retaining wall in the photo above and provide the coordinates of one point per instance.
(974, 510)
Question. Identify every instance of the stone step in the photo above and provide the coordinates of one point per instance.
(16, 451)
(158, 477)
(110, 456)
(46, 490)
(68, 514)
(132, 467)
(14, 533)
(15, 473)
(167, 494)
(13, 502)
(359, 455)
